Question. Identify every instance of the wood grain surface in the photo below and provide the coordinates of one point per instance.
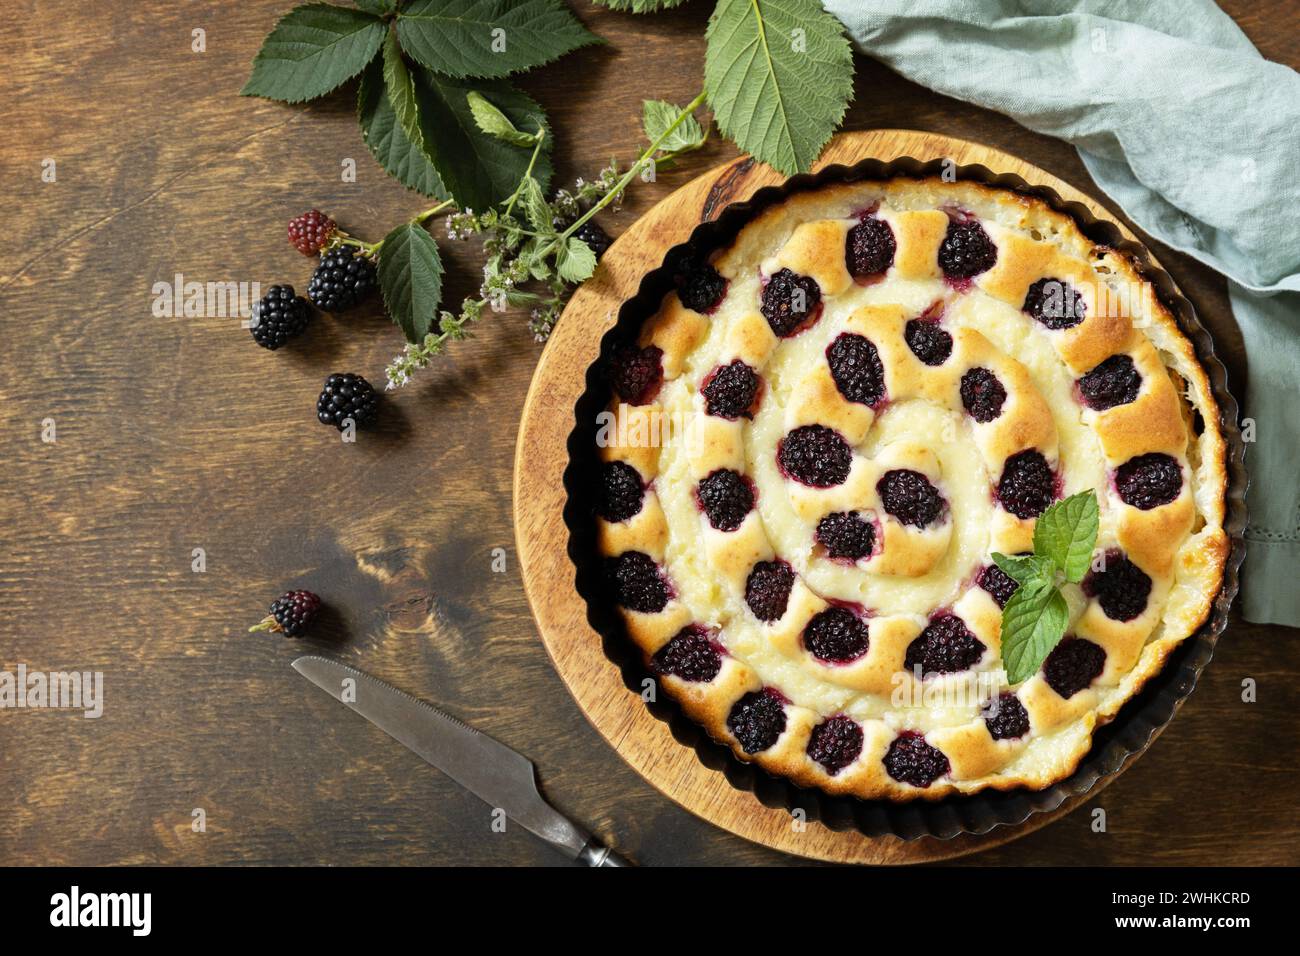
(179, 433)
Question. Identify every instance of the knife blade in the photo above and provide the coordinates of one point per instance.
(498, 775)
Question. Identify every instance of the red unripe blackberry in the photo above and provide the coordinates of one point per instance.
(311, 232)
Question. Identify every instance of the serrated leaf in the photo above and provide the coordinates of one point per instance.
(489, 38)
(314, 49)
(657, 116)
(495, 123)
(575, 261)
(779, 74)
(403, 160)
(478, 170)
(1033, 623)
(1024, 568)
(1067, 532)
(538, 267)
(400, 88)
(535, 207)
(640, 6)
(410, 275)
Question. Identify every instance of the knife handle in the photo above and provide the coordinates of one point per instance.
(596, 854)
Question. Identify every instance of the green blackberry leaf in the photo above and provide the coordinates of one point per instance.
(477, 169)
(1033, 623)
(488, 38)
(495, 123)
(403, 160)
(640, 6)
(1067, 532)
(314, 49)
(657, 116)
(378, 7)
(410, 275)
(779, 74)
(400, 89)
(535, 206)
(575, 262)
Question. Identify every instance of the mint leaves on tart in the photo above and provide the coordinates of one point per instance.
(1035, 619)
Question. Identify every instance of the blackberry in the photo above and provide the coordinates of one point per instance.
(730, 391)
(982, 394)
(1073, 665)
(311, 232)
(1027, 485)
(909, 497)
(1055, 303)
(725, 497)
(911, 760)
(691, 656)
(869, 248)
(757, 720)
(699, 286)
(815, 455)
(1116, 381)
(594, 236)
(998, 584)
(347, 396)
(620, 493)
(835, 743)
(1121, 587)
(344, 277)
(636, 374)
(1005, 717)
(636, 582)
(290, 613)
(836, 635)
(790, 301)
(767, 589)
(944, 647)
(928, 341)
(856, 368)
(1149, 481)
(279, 316)
(966, 250)
(846, 534)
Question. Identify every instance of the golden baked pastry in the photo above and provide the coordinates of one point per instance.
(815, 445)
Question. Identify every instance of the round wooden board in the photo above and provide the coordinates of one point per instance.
(542, 538)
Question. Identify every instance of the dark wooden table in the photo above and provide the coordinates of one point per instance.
(179, 433)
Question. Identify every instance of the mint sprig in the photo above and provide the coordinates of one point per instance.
(1035, 619)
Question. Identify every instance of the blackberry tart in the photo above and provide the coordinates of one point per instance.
(827, 429)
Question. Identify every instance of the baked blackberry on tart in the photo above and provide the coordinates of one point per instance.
(829, 428)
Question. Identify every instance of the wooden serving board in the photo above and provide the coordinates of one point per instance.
(541, 458)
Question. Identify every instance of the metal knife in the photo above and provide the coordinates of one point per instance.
(487, 768)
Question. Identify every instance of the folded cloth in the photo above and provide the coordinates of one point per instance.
(1196, 137)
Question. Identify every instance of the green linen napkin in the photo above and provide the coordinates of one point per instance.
(1196, 136)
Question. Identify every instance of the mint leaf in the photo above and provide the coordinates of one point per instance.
(314, 49)
(1067, 532)
(658, 115)
(410, 275)
(535, 206)
(403, 160)
(478, 170)
(1024, 568)
(575, 262)
(488, 38)
(495, 123)
(1033, 623)
(401, 91)
(779, 74)
(640, 6)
